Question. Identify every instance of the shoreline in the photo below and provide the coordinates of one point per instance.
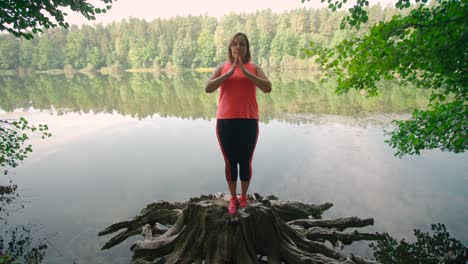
(109, 70)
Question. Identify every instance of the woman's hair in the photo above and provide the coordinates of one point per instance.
(247, 55)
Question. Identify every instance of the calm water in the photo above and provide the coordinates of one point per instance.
(122, 142)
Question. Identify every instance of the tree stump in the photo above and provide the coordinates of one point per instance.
(266, 231)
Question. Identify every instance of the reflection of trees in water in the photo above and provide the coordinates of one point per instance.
(358, 120)
(182, 95)
(19, 243)
(7, 197)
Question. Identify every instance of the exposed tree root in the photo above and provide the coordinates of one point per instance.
(201, 231)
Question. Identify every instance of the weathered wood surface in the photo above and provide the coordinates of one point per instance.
(266, 231)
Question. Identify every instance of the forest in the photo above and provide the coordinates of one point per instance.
(276, 40)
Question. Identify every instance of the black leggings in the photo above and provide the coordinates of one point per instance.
(237, 139)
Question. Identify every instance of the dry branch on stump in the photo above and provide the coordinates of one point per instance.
(266, 231)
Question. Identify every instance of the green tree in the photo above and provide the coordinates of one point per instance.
(75, 48)
(48, 55)
(20, 16)
(206, 49)
(26, 53)
(122, 49)
(183, 52)
(298, 22)
(95, 57)
(266, 23)
(315, 22)
(103, 44)
(429, 48)
(8, 52)
(13, 136)
(142, 55)
(164, 52)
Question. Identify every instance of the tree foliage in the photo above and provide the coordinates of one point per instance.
(13, 135)
(190, 41)
(20, 17)
(428, 47)
(435, 249)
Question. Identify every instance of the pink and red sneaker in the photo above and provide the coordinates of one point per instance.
(243, 201)
(232, 207)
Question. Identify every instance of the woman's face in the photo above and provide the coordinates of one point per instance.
(239, 47)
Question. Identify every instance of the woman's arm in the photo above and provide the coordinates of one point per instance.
(216, 79)
(260, 80)
(265, 84)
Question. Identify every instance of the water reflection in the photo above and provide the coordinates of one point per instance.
(142, 95)
(19, 243)
(120, 144)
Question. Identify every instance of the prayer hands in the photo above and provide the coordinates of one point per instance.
(231, 70)
(244, 70)
(238, 61)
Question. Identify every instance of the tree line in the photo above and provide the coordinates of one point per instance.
(183, 42)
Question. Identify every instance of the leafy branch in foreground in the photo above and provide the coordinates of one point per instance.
(13, 135)
(440, 127)
(435, 249)
(20, 16)
(429, 48)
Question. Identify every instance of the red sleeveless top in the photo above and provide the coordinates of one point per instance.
(238, 97)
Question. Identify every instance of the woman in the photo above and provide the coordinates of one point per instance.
(237, 114)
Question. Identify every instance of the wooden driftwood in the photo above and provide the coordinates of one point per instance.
(266, 231)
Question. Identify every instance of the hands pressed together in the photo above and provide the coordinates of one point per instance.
(237, 61)
(260, 79)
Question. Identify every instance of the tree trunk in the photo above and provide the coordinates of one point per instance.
(201, 231)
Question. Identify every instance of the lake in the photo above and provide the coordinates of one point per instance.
(121, 142)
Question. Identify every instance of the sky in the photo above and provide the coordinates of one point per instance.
(152, 9)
